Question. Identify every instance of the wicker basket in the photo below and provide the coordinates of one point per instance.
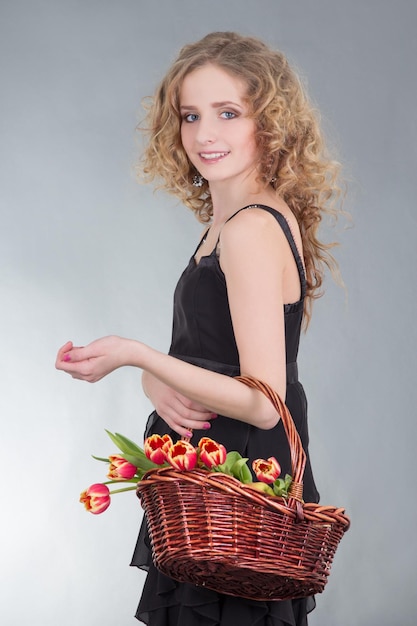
(211, 530)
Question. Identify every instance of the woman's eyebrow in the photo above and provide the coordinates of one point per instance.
(218, 105)
(214, 105)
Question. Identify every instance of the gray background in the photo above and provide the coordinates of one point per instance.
(85, 251)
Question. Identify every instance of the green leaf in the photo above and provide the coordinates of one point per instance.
(263, 488)
(287, 481)
(235, 465)
(241, 471)
(231, 459)
(140, 474)
(247, 477)
(118, 442)
(130, 443)
(126, 445)
(277, 488)
(143, 464)
(281, 486)
(132, 452)
(99, 458)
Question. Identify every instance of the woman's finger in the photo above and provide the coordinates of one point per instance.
(77, 355)
(62, 351)
(178, 413)
(191, 405)
(183, 426)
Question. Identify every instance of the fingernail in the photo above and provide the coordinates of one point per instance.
(213, 416)
(206, 425)
(189, 434)
(67, 357)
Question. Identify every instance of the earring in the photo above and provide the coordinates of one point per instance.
(198, 180)
(272, 179)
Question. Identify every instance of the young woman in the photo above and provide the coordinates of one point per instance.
(232, 134)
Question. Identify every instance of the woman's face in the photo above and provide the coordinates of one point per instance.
(216, 133)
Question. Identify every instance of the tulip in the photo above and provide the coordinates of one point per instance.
(266, 471)
(211, 452)
(120, 469)
(182, 455)
(96, 498)
(203, 440)
(155, 448)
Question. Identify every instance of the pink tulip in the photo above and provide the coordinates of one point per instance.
(211, 452)
(182, 455)
(96, 498)
(120, 469)
(155, 448)
(266, 471)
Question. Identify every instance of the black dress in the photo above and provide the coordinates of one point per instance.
(203, 335)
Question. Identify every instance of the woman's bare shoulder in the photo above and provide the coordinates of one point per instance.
(256, 226)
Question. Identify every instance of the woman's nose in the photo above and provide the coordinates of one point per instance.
(206, 132)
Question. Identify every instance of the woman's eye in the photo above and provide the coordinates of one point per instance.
(228, 115)
(190, 117)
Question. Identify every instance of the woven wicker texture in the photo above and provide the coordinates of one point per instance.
(209, 529)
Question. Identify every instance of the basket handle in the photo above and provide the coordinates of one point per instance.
(298, 457)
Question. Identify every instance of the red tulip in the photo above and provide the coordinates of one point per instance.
(266, 471)
(96, 498)
(155, 448)
(120, 469)
(211, 452)
(182, 455)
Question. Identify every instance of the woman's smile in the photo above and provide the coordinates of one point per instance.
(213, 156)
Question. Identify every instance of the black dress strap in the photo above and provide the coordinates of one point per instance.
(282, 221)
(202, 240)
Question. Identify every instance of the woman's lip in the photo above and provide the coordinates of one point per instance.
(213, 157)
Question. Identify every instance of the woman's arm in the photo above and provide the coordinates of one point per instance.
(252, 254)
(220, 394)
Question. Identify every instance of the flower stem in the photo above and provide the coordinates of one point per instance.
(121, 490)
(122, 480)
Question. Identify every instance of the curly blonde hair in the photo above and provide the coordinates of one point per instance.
(292, 153)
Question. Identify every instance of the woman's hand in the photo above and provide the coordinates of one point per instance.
(180, 413)
(101, 357)
(94, 361)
